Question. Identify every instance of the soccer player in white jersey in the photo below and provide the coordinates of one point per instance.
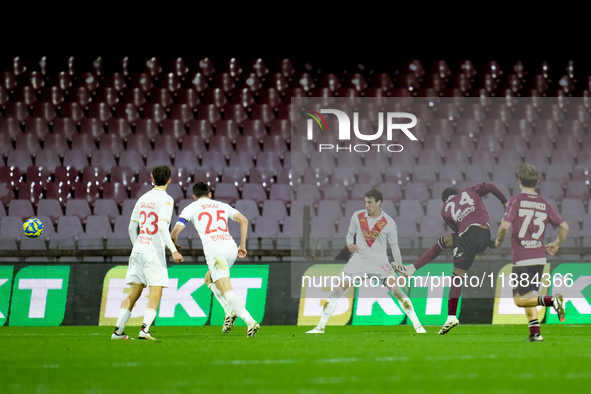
(147, 264)
(375, 230)
(210, 218)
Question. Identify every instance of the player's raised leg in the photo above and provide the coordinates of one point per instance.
(434, 251)
(530, 302)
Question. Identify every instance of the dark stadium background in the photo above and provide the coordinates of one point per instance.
(356, 37)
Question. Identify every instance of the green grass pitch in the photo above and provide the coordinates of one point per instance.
(349, 359)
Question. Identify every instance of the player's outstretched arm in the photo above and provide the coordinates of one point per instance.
(350, 239)
(178, 227)
(553, 247)
(491, 188)
(174, 235)
(503, 229)
(166, 237)
(396, 254)
(240, 218)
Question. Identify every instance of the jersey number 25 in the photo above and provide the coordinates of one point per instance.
(220, 217)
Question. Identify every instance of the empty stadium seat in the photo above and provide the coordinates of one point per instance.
(248, 208)
(236, 175)
(115, 191)
(58, 191)
(255, 192)
(266, 227)
(21, 208)
(11, 226)
(226, 192)
(38, 175)
(79, 208)
(50, 208)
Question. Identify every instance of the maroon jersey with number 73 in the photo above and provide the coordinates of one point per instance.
(529, 214)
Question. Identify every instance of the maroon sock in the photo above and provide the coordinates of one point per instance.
(545, 300)
(455, 291)
(534, 327)
(428, 256)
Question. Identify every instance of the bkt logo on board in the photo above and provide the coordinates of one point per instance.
(388, 124)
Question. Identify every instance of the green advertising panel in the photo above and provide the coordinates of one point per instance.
(573, 281)
(429, 289)
(5, 287)
(316, 288)
(187, 300)
(250, 285)
(39, 296)
(374, 305)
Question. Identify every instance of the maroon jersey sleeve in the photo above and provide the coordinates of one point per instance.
(511, 210)
(486, 187)
(554, 217)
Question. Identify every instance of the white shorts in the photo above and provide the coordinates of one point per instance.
(372, 265)
(220, 260)
(147, 269)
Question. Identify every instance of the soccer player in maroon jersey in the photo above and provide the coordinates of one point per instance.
(530, 213)
(465, 213)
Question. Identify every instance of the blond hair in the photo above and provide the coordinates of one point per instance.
(528, 175)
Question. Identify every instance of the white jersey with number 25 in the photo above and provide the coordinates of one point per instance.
(210, 218)
(152, 210)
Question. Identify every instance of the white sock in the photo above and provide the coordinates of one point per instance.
(238, 306)
(330, 306)
(410, 269)
(122, 320)
(406, 305)
(149, 317)
(216, 292)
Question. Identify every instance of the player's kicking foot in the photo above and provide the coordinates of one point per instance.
(420, 329)
(253, 329)
(401, 270)
(119, 336)
(451, 322)
(146, 335)
(316, 330)
(535, 338)
(229, 323)
(558, 303)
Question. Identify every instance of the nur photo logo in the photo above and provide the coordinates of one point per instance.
(388, 123)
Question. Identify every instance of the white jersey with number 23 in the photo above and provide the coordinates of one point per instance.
(152, 210)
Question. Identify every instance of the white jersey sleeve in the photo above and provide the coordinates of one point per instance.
(353, 226)
(393, 241)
